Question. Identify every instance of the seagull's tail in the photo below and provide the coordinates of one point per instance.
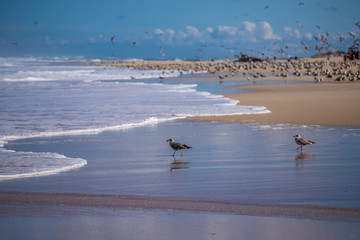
(311, 142)
(186, 146)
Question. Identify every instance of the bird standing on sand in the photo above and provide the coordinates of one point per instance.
(302, 141)
(177, 146)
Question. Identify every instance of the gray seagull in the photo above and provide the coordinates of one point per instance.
(177, 146)
(302, 141)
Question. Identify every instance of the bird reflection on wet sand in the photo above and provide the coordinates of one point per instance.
(179, 164)
(300, 157)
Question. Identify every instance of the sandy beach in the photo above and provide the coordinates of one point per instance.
(241, 169)
(329, 102)
(158, 120)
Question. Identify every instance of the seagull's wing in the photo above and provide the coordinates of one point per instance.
(303, 141)
(177, 146)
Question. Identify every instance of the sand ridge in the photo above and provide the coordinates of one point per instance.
(172, 204)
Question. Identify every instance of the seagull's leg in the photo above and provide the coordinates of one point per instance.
(174, 154)
(181, 153)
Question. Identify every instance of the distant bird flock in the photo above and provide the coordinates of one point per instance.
(322, 44)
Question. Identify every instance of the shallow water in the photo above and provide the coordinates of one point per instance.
(46, 98)
(254, 163)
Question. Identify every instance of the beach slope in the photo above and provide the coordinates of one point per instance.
(335, 104)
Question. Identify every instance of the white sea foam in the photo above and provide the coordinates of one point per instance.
(28, 164)
(26, 70)
(40, 99)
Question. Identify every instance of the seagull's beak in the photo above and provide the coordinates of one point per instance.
(168, 140)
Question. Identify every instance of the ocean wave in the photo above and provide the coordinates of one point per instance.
(29, 164)
(41, 99)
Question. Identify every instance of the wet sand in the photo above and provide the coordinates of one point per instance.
(131, 179)
(54, 222)
(239, 177)
(246, 163)
(169, 204)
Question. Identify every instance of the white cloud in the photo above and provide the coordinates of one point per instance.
(249, 26)
(292, 33)
(158, 31)
(166, 35)
(297, 33)
(267, 31)
(182, 35)
(170, 33)
(308, 36)
(288, 30)
(228, 29)
(209, 30)
(193, 31)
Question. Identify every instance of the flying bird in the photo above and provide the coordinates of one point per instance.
(301, 3)
(177, 146)
(341, 39)
(113, 39)
(351, 34)
(302, 141)
(298, 23)
(357, 24)
(15, 44)
(162, 51)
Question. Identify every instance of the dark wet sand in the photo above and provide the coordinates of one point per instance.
(164, 203)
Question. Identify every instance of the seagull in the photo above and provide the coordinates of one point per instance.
(351, 34)
(113, 39)
(177, 146)
(302, 141)
(357, 24)
(341, 39)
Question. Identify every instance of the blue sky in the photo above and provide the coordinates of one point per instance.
(167, 29)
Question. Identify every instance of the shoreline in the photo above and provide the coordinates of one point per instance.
(237, 176)
(327, 102)
(173, 204)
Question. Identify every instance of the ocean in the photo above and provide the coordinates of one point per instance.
(42, 97)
